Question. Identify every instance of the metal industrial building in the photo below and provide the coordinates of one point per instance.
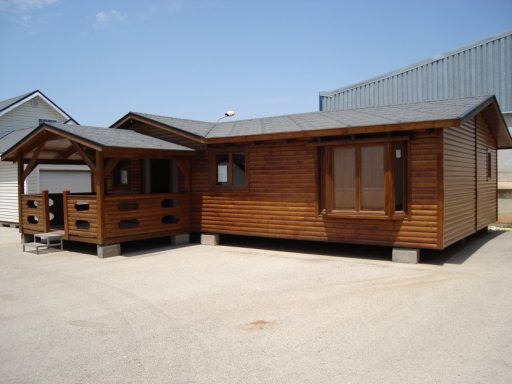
(482, 68)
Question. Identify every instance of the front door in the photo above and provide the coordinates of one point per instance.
(162, 176)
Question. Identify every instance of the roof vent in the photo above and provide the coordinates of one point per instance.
(34, 103)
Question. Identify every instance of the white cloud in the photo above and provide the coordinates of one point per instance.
(105, 17)
(25, 5)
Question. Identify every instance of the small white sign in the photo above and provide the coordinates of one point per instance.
(222, 173)
(398, 153)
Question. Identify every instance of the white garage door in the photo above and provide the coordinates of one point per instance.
(60, 181)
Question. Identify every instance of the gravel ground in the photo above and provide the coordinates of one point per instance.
(275, 312)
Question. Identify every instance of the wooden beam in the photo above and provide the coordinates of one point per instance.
(46, 212)
(109, 167)
(33, 162)
(99, 184)
(141, 153)
(65, 154)
(84, 156)
(65, 196)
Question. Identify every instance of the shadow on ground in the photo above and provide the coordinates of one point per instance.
(461, 251)
(458, 253)
(455, 254)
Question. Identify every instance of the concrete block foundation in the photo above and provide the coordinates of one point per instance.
(181, 239)
(406, 255)
(104, 251)
(209, 239)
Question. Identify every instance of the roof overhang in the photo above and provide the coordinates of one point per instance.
(130, 116)
(491, 112)
(53, 145)
(438, 124)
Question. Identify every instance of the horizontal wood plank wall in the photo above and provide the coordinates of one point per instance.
(134, 180)
(135, 217)
(82, 221)
(163, 134)
(486, 188)
(34, 214)
(459, 182)
(282, 199)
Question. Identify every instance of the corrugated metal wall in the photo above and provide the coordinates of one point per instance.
(484, 68)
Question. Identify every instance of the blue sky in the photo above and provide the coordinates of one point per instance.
(198, 58)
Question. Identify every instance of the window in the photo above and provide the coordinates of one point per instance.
(120, 176)
(229, 170)
(41, 121)
(366, 178)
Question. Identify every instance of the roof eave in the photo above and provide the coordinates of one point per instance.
(31, 96)
(504, 142)
(143, 119)
(433, 124)
(11, 153)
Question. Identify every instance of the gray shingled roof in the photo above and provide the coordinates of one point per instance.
(386, 115)
(123, 138)
(13, 100)
(313, 121)
(195, 127)
(13, 138)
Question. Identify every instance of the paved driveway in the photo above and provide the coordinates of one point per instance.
(231, 314)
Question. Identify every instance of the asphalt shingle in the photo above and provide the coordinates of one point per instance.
(313, 121)
(123, 138)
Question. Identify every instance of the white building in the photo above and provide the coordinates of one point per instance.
(18, 117)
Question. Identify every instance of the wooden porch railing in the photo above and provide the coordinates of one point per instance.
(80, 217)
(35, 215)
(126, 217)
(132, 217)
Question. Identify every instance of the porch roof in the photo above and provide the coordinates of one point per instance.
(58, 143)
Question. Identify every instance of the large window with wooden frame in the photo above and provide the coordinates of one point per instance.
(229, 170)
(367, 179)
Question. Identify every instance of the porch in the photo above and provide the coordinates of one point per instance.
(139, 191)
(126, 217)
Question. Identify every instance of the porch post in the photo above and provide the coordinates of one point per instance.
(99, 184)
(65, 195)
(102, 249)
(46, 212)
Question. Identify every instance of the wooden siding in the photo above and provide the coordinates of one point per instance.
(470, 200)
(135, 171)
(80, 218)
(283, 194)
(163, 134)
(486, 187)
(459, 182)
(145, 216)
(35, 213)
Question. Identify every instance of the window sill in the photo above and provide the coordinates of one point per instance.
(365, 215)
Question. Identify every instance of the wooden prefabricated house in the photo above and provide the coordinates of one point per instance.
(420, 175)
